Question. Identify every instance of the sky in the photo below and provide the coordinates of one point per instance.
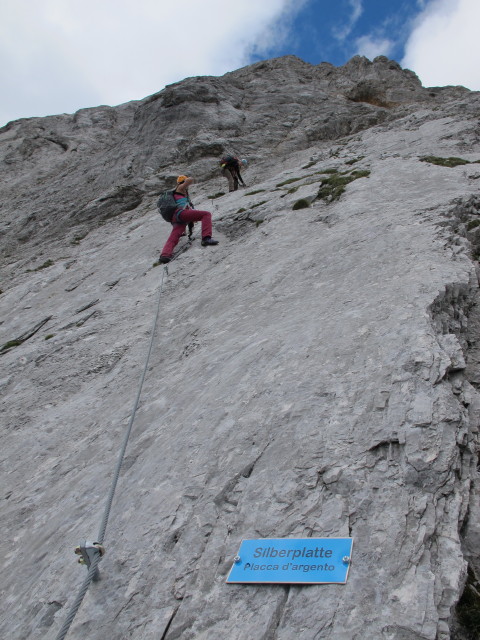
(58, 56)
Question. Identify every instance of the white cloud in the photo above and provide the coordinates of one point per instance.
(58, 56)
(342, 33)
(444, 47)
(371, 47)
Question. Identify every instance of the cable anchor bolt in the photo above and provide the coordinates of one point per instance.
(88, 552)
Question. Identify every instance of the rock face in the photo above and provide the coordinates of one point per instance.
(315, 375)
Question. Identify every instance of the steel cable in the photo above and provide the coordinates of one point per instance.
(103, 526)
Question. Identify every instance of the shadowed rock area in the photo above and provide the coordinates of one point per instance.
(314, 375)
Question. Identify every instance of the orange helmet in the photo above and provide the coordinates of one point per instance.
(181, 179)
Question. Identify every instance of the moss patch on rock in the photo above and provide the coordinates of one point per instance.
(252, 193)
(327, 171)
(45, 265)
(473, 224)
(11, 344)
(332, 188)
(354, 160)
(310, 164)
(301, 204)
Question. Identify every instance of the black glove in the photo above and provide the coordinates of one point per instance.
(190, 229)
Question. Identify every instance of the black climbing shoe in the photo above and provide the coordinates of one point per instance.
(164, 259)
(208, 241)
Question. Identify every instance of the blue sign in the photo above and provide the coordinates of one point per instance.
(292, 561)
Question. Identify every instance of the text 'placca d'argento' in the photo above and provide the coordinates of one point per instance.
(288, 560)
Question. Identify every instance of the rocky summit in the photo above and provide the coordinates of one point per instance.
(315, 375)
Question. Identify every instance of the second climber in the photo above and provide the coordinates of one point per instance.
(231, 167)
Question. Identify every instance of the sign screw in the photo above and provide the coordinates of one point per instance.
(346, 559)
(236, 559)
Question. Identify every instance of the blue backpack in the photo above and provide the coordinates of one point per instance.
(167, 205)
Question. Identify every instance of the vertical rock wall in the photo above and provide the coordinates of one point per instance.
(315, 375)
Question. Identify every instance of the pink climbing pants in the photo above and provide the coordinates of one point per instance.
(186, 216)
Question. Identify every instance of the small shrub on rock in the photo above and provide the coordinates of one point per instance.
(301, 204)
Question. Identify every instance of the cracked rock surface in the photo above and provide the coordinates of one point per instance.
(314, 375)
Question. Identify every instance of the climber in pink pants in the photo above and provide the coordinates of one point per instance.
(186, 214)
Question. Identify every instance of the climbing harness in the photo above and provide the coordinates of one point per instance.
(92, 552)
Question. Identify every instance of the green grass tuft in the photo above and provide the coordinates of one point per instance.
(216, 195)
(444, 162)
(354, 160)
(252, 193)
(360, 173)
(281, 184)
